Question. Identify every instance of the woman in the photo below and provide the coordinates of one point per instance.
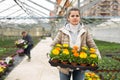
(74, 33)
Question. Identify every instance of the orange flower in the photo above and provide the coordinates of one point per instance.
(76, 54)
(75, 47)
(92, 50)
(74, 51)
(82, 52)
(57, 48)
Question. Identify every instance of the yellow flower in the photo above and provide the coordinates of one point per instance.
(93, 55)
(65, 51)
(1, 69)
(91, 76)
(92, 64)
(58, 45)
(92, 50)
(90, 79)
(65, 45)
(55, 51)
(87, 74)
(84, 48)
(96, 76)
(83, 55)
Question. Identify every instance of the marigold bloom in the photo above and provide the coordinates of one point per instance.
(65, 45)
(74, 51)
(87, 74)
(65, 51)
(75, 47)
(83, 55)
(58, 45)
(92, 64)
(90, 79)
(58, 48)
(55, 51)
(84, 48)
(91, 76)
(92, 50)
(96, 76)
(1, 69)
(93, 55)
(76, 54)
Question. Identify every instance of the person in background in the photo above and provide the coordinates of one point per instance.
(29, 40)
(74, 33)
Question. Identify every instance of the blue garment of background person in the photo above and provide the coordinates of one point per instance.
(29, 40)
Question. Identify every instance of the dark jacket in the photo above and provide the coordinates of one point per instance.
(29, 40)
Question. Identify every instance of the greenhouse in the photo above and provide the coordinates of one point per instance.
(43, 21)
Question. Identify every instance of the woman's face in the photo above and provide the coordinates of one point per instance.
(74, 17)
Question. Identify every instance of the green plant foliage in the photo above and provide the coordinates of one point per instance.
(110, 75)
(7, 46)
(108, 63)
(108, 47)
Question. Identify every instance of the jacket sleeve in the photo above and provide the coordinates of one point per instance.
(57, 39)
(91, 44)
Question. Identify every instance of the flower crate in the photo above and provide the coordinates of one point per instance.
(20, 52)
(64, 53)
(9, 61)
(92, 76)
(21, 43)
(68, 65)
